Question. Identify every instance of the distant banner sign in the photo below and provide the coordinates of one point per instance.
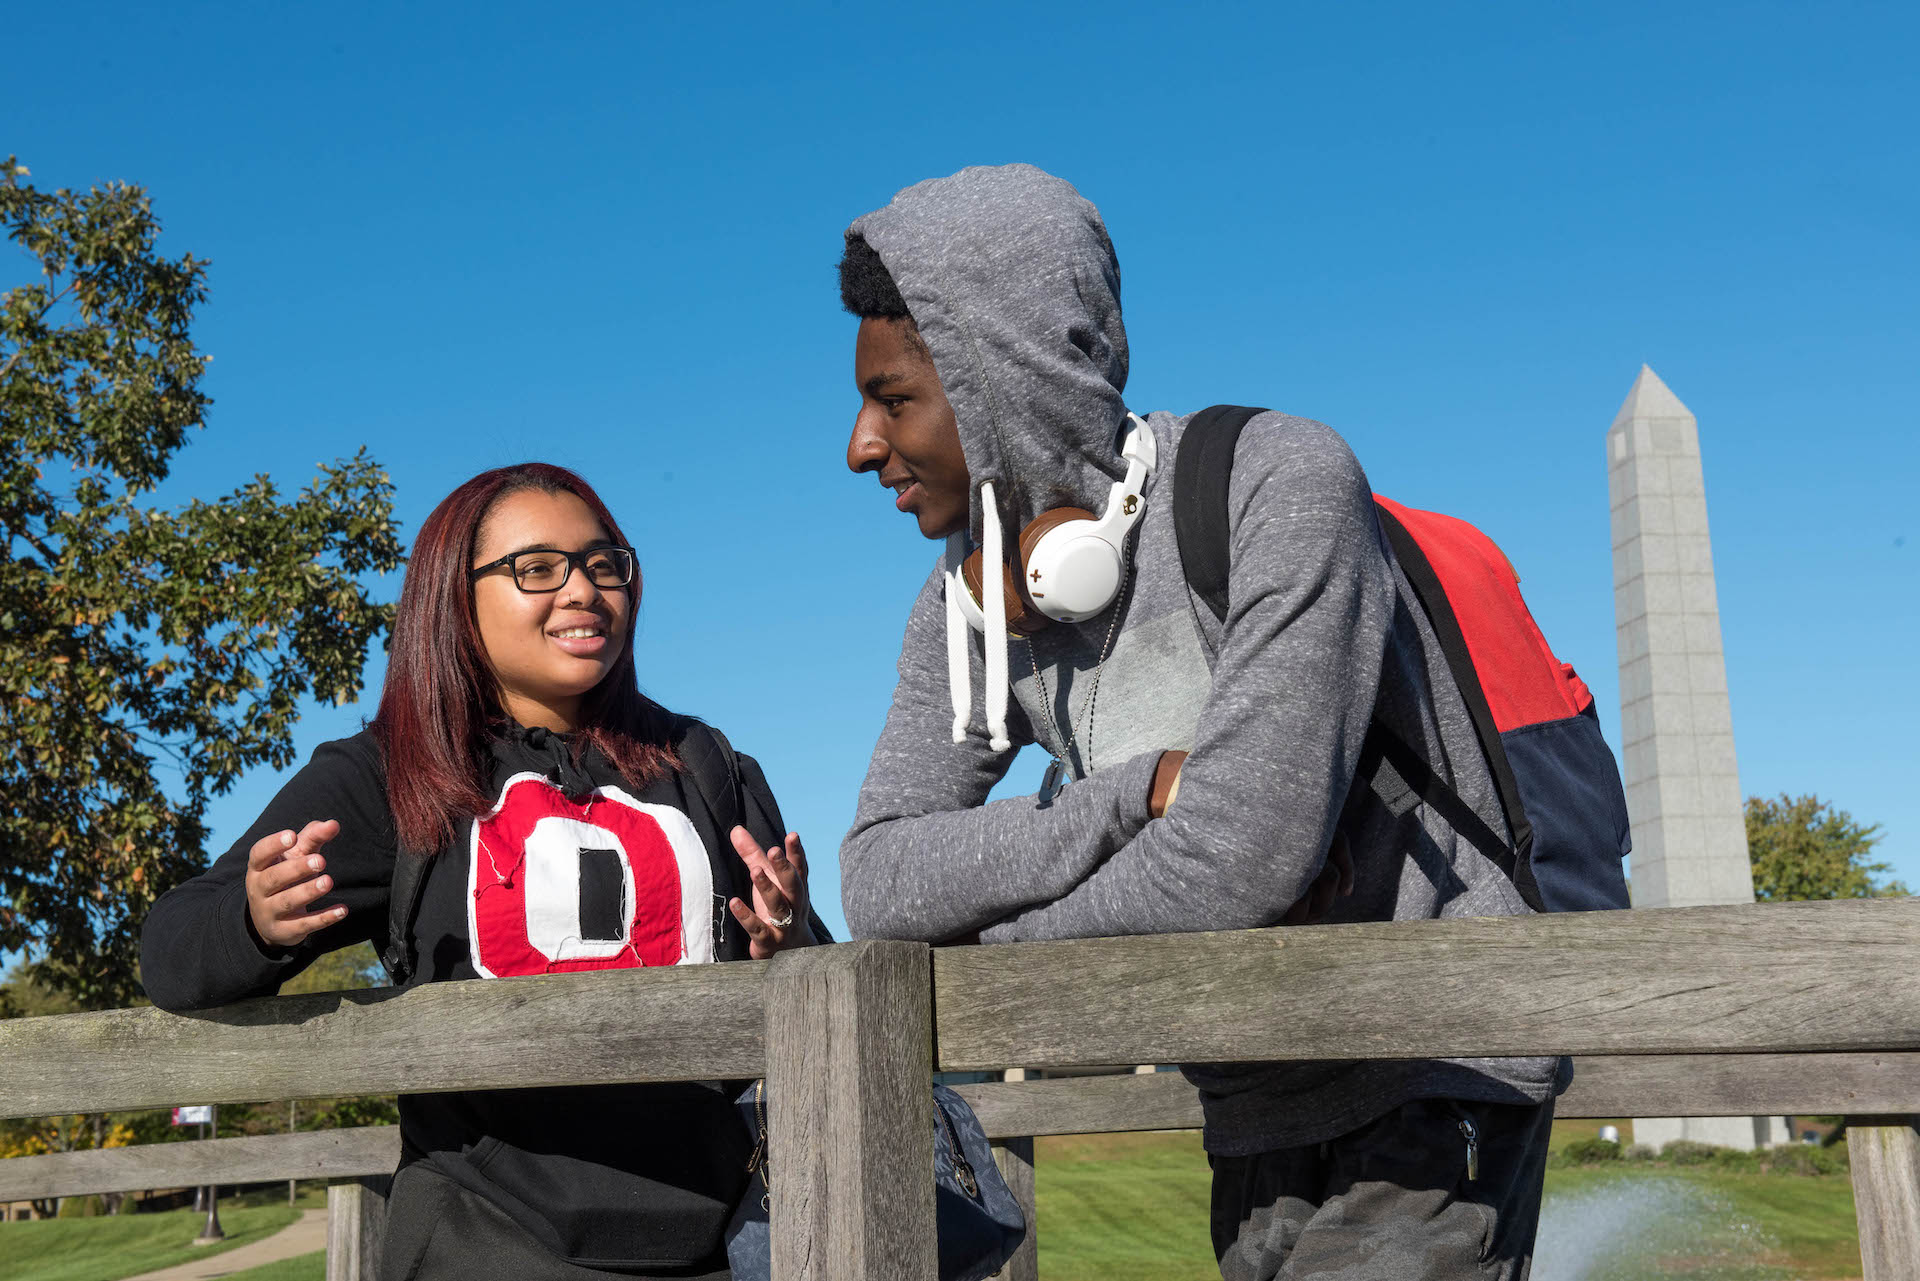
(201, 1115)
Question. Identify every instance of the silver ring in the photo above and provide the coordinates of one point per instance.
(781, 923)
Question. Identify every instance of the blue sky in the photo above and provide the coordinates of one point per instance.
(605, 236)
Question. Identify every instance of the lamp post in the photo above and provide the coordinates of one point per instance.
(210, 1231)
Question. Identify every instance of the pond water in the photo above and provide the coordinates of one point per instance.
(1648, 1229)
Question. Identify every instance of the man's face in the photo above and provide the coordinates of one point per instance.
(905, 429)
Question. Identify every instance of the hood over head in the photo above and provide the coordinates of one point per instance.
(1013, 284)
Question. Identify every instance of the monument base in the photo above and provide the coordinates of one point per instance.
(1743, 1132)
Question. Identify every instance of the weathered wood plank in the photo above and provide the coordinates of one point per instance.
(1015, 1159)
(356, 1223)
(1742, 1084)
(1885, 1154)
(317, 1154)
(689, 1022)
(1083, 1105)
(1763, 977)
(849, 1038)
(1607, 1086)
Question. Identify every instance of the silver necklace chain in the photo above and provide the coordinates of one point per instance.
(1093, 694)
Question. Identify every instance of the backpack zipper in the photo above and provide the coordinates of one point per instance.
(961, 1169)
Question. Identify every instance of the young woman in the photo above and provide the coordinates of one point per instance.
(540, 816)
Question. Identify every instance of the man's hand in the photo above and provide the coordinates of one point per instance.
(1166, 783)
(1335, 881)
(778, 918)
(285, 874)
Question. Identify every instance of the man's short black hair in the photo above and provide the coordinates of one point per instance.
(866, 286)
(867, 290)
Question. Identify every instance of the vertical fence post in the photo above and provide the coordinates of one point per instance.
(849, 1045)
(1885, 1154)
(1015, 1159)
(356, 1221)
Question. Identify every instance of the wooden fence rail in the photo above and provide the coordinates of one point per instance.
(1703, 1011)
(317, 1154)
(678, 1024)
(1708, 980)
(1647, 1085)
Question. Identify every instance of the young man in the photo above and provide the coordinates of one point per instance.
(1213, 765)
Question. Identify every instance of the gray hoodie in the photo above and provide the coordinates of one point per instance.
(1014, 285)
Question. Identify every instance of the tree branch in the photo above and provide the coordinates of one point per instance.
(14, 359)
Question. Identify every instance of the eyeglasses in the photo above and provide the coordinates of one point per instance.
(542, 571)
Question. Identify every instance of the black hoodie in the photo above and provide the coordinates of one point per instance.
(571, 870)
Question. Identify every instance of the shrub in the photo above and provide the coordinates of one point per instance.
(1590, 1151)
(1797, 1158)
(1827, 1160)
(1687, 1152)
(1640, 1152)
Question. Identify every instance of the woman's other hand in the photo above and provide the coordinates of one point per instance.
(778, 918)
(285, 874)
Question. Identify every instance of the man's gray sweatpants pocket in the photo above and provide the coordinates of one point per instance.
(1395, 1200)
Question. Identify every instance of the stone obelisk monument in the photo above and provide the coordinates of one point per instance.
(1683, 785)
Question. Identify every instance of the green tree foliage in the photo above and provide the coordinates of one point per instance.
(342, 971)
(1803, 848)
(148, 656)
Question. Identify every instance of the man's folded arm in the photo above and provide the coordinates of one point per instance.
(928, 858)
(1311, 604)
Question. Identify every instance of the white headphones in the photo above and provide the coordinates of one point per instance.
(1070, 561)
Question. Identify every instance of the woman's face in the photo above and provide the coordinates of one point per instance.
(547, 650)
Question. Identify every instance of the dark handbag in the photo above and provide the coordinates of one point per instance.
(979, 1223)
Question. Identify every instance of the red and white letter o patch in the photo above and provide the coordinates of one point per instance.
(607, 883)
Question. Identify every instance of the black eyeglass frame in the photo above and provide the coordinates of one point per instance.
(575, 560)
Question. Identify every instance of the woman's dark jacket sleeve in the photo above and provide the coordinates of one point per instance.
(198, 947)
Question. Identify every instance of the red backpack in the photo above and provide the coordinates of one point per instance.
(1558, 783)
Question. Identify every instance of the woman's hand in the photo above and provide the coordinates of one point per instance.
(778, 918)
(285, 874)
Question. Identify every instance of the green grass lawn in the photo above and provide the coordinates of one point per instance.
(1123, 1207)
(307, 1267)
(125, 1245)
(1128, 1207)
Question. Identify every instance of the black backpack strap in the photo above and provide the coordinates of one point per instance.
(1202, 473)
(1412, 769)
(709, 759)
(1517, 862)
(403, 904)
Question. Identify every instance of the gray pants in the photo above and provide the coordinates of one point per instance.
(1392, 1201)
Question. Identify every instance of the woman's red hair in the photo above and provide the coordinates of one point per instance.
(440, 702)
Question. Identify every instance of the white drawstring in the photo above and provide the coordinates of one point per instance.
(994, 600)
(959, 673)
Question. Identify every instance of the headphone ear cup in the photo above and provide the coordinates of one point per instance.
(1045, 576)
(1022, 619)
(1045, 523)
